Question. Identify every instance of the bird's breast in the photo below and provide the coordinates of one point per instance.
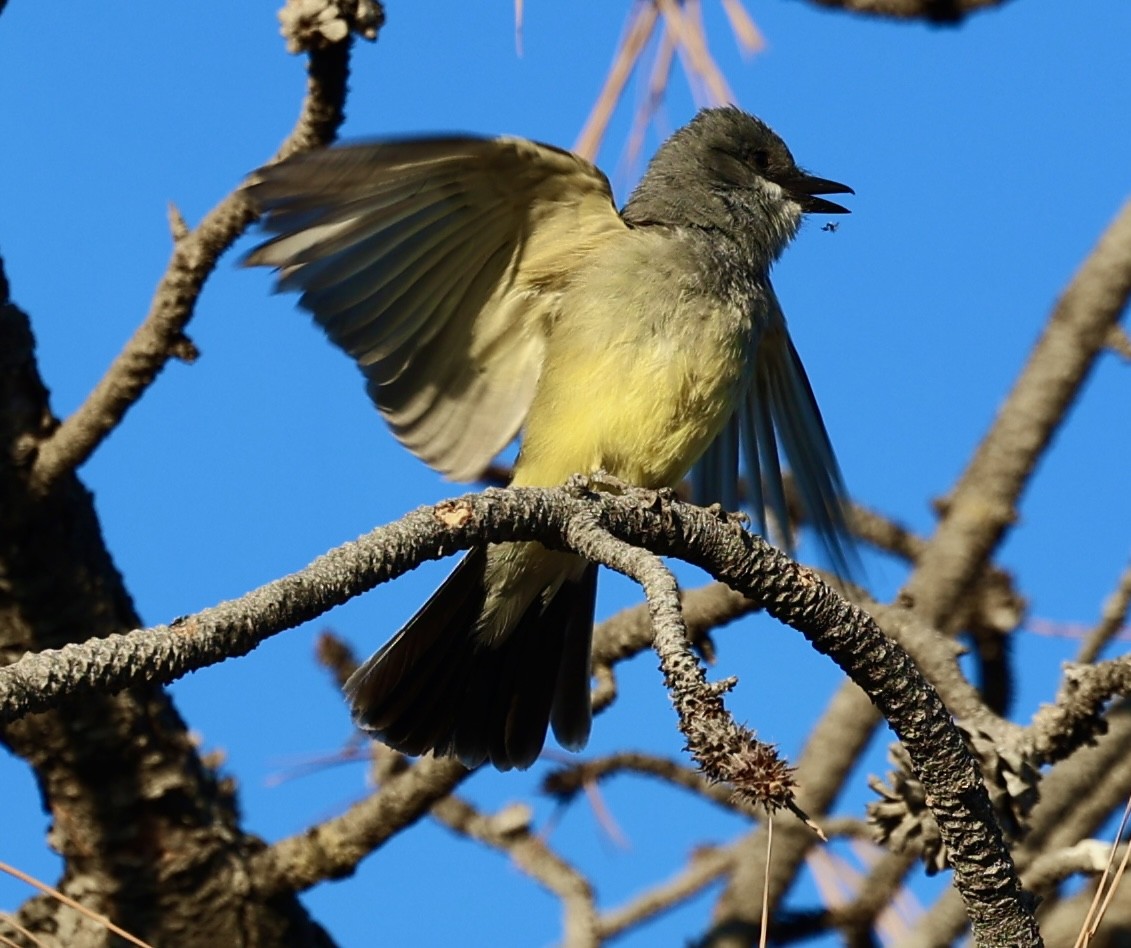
(644, 366)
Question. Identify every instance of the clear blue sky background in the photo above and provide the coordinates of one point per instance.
(986, 161)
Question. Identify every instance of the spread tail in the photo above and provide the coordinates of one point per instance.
(440, 684)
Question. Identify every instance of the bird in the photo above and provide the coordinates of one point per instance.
(489, 286)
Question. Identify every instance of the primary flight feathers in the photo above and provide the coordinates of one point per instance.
(437, 261)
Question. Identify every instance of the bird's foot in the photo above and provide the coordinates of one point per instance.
(729, 516)
(598, 480)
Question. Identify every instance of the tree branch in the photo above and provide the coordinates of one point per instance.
(509, 831)
(560, 519)
(332, 850)
(161, 336)
(983, 503)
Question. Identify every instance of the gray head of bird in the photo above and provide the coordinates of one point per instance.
(728, 172)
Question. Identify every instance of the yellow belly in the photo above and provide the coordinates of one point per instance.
(643, 412)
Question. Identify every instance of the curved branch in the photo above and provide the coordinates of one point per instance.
(980, 509)
(566, 782)
(704, 867)
(728, 752)
(1076, 718)
(509, 831)
(558, 518)
(332, 850)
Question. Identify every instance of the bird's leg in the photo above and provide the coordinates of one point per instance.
(604, 482)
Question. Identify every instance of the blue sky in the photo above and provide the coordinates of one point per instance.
(986, 161)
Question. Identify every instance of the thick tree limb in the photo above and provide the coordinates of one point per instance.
(559, 518)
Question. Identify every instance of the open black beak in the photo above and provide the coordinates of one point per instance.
(805, 187)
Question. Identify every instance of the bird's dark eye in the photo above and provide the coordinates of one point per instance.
(761, 159)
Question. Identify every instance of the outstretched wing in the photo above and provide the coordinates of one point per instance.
(435, 263)
(779, 406)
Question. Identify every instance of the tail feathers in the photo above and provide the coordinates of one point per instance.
(437, 685)
(394, 693)
(571, 714)
(542, 677)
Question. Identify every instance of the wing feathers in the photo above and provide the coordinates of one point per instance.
(435, 264)
(373, 314)
(761, 410)
(748, 437)
(810, 452)
(779, 408)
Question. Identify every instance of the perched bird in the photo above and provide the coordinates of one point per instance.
(488, 285)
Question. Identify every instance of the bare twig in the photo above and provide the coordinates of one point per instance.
(983, 503)
(705, 866)
(509, 831)
(566, 782)
(195, 255)
(727, 752)
(746, 33)
(10, 921)
(1076, 717)
(72, 904)
(1108, 882)
(657, 87)
(1112, 619)
(642, 22)
(1119, 342)
(691, 42)
(333, 849)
